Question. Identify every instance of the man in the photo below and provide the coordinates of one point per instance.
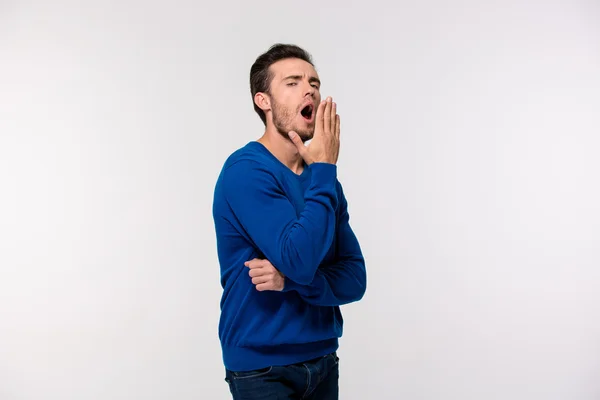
(288, 256)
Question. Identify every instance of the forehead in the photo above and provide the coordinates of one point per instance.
(293, 66)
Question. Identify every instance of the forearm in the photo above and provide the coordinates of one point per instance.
(296, 244)
(343, 280)
(335, 284)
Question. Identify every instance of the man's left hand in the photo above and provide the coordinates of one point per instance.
(264, 275)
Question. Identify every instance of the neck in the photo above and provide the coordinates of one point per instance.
(283, 149)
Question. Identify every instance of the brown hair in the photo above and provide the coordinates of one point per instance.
(260, 74)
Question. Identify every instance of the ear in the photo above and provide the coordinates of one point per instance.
(263, 101)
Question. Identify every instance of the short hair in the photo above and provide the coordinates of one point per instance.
(261, 75)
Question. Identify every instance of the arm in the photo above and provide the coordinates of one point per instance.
(343, 281)
(296, 244)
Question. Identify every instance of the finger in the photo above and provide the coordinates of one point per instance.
(295, 138)
(264, 286)
(327, 117)
(300, 146)
(337, 126)
(255, 263)
(260, 280)
(333, 118)
(251, 263)
(257, 272)
(319, 118)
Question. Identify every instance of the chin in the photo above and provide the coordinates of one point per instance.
(307, 133)
(305, 136)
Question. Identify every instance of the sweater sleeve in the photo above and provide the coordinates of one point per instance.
(342, 281)
(296, 244)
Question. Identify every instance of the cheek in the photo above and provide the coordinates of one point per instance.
(288, 107)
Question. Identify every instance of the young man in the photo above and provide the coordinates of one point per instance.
(288, 256)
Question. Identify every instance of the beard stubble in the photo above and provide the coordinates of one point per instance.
(283, 120)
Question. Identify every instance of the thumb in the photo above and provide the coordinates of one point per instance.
(297, 141)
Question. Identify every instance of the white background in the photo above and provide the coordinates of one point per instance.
(470, 159)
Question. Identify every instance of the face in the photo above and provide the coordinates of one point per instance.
(294, 97)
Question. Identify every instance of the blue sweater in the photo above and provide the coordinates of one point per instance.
(300, 223)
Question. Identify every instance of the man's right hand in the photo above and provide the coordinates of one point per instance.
(325, 145)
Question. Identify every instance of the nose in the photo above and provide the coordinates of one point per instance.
(310, 90)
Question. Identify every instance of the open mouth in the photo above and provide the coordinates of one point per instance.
(307, 112)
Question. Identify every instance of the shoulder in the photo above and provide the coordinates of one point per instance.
(252, 154)
(248, 167)
(245, 159)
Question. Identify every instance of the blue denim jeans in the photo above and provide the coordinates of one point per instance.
(315, 379)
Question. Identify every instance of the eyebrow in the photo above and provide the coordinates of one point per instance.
(312, 79)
